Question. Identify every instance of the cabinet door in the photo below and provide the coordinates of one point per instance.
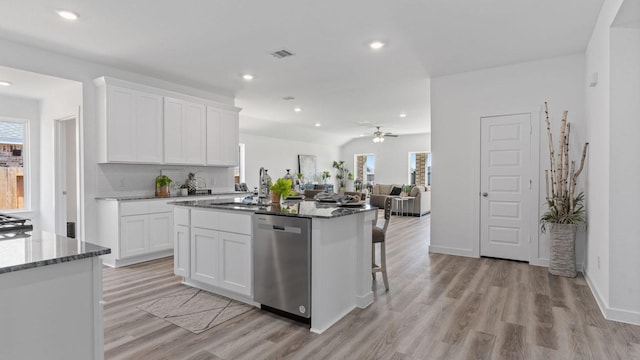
(235, 263)
(222, 137)
(230, 139)
(149, 129)
(121, 125)
(134, 235)
(194, 134)
(160, 231)
(181, 252)
(214, 136)
(174, 114)
(204, 255)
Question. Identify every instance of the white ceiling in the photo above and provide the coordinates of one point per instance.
(336, 79)
(30, 85)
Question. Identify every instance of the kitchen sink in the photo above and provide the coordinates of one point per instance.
(240, 206)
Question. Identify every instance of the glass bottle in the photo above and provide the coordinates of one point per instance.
(288, 176)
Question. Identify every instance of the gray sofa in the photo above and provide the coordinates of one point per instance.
(419, 206)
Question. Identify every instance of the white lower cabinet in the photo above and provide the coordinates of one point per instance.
(134, 235)
(160, 229)
(204, 255)
(181, 250)
(219, 249)
(235, 262)
(136, 231)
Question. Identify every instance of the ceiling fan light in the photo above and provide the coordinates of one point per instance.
(376, 139)
(381, 139)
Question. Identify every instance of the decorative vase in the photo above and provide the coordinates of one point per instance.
(275, 198)
(163, 191)
(184, 191)
(562, 254)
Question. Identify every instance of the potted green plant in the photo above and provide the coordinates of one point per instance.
(184, 189)
(299, 185)
(280, 190)
(162, 186)
(565, 209)
(340, 173)
(406, 190)
(325, 176)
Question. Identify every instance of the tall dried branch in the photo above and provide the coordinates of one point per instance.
(566, 177)
(551, 153)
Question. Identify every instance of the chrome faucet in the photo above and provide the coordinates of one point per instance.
(263, 188)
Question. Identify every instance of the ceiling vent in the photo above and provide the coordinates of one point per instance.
(288, 98)
(282, 53)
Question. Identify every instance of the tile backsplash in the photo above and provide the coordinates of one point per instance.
(134, 179)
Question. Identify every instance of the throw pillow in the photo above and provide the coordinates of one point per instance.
(395, 191)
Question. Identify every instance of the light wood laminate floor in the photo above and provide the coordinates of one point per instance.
(439, 307)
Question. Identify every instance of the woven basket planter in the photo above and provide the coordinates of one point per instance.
(562, 256)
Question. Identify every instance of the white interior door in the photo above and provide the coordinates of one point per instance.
(505, 186)
(65, 174)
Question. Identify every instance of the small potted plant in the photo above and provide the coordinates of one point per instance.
(162, 186)
(184, 189)
(280, 190)
(325, 176)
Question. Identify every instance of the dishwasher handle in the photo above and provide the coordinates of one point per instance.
(280, 228)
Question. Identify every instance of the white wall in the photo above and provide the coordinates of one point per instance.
(28, 58)
(457, 103)
(624, 167)
(277, 155)
(597, 118)
(16, 108)
(59, 104)
(392, 156)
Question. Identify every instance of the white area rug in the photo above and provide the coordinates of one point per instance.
(195, 310)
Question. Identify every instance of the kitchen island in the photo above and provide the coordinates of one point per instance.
(214, 242)
(50, 297)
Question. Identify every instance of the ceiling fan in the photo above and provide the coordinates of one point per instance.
(378, 136)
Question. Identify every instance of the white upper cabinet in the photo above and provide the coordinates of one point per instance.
(184, 132)
(130, 123)
(222, 137)
(146, 125)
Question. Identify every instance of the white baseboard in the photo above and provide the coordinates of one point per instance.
(609, 313)
(451, 251)
(364, 300)
(545, 263)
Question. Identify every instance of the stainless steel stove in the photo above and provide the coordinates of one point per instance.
(13, 226)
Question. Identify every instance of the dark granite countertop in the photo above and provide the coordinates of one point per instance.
(41, 248)
(150, 196)
(295, 208)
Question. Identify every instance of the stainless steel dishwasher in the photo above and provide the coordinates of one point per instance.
(282, 265)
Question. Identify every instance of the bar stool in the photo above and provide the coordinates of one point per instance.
(378, 236)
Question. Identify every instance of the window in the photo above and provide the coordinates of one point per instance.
(12, 164)
(420, 168)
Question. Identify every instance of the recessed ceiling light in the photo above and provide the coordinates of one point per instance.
(318, 124)
(376, 45)
(67, 15)
(297, 109)
(247, 77)
(4, 83)
(403, 115)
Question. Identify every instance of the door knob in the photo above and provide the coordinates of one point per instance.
(484, 194)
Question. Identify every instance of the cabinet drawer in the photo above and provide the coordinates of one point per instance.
(235, 222)
(181, 216)
(205, 219)
(134, 208)
(159, 206)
